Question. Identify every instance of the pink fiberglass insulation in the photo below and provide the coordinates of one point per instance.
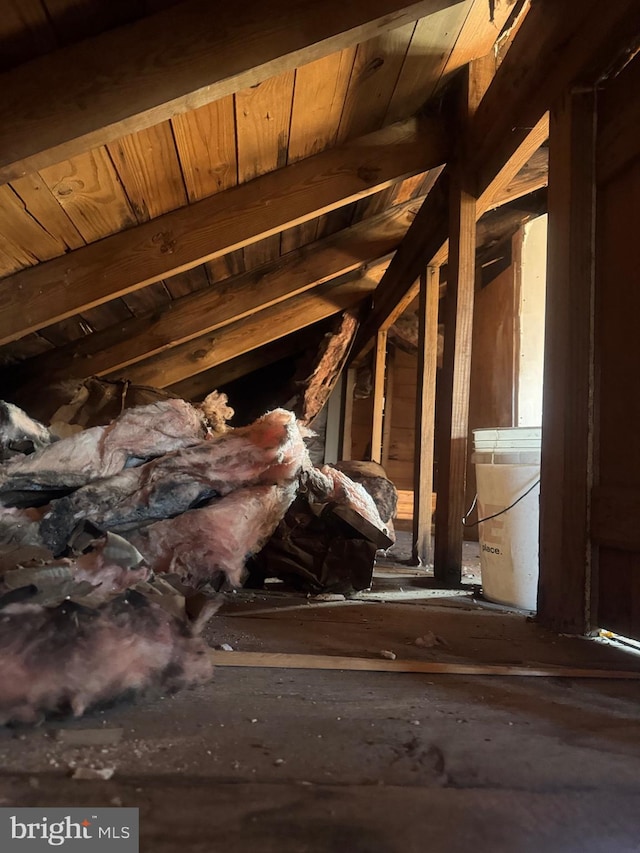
(270, 451)
(111, 572)
(137, 434)
(202, 544)
(330, 484)
(70, 658)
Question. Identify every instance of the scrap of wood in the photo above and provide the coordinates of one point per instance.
(278, 660)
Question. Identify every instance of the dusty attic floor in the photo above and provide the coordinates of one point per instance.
(308, 760)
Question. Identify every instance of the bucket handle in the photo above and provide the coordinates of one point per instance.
(465, 523)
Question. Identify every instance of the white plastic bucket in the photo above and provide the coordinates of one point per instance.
(507, 462)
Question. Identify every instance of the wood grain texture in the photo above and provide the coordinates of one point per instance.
(256, 330)
(319, 93)
(375, 73)
(422, 551)
(617, 144)
(89, 192)
(197, 387)
(147, 300)
(566, 468)
(556, 46)
(616, 460)
(477, 36)
(25, 232)
(147, 164)
(187, 282)
(453, 402)
(12, 257)
(426, 241)
(208, 307)
(212, 227)
(40, 203)
(433, 40)
(277, 660)
(144, 73)
(104, 316)
(27, 347)
(318, 99)
(206, 143)
(263, 117)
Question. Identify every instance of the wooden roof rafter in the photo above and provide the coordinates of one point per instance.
(175, 322)
(143, 73)
(553, 47)
(128, 260)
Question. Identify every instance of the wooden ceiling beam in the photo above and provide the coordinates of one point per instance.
(256, 330)
(126, 261)
(197, 387)
(138, 75)
(204, 311)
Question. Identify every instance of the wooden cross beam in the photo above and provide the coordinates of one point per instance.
(138, 75)
(177, 241)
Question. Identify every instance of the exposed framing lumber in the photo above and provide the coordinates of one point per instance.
(422, 551)
(279, 660)
(426, 241)
(117, 347)
(256, 330)
(379, 373)
(139, 75)
(197, 387)
(176, 241)
(453, 403)
(566, 552)
(557, 45)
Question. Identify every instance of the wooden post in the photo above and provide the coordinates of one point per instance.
(564, 592)
(378, 395)
(422, 551)
(453, 405)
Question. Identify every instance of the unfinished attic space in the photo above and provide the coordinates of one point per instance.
(319, 459)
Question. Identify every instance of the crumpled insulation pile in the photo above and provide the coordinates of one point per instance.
(107, 536)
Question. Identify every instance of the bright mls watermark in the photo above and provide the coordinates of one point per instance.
(73, 830)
